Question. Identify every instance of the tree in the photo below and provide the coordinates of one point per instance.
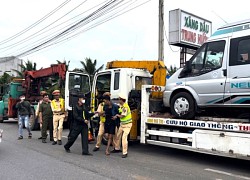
(64, 62)
(5, 78)
(89, 67)
(171, 70)
(27, 66)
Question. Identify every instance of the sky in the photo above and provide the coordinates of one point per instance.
(131, 36)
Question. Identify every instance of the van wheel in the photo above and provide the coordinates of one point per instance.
(183, 106)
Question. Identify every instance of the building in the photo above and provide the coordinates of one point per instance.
(7, 64)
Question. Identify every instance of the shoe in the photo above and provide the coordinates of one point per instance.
(87, 154)
(44, 141)
(124, 155)
(20, 137)
(30, 136)
(59, 142)
(96, 149)
(54, 143)
(67, 150)
(116, 151)
(40, 137)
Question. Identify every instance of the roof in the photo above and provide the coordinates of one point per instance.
(233, 27)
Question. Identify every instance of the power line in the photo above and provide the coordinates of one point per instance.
(36, 23)
(36, 33)
(73, 27)
(51, 33)
(95, 25)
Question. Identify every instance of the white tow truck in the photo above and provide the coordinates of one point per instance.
(217, 136)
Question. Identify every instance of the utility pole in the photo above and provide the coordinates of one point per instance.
(161, 31)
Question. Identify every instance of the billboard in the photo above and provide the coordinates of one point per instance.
(188, 30)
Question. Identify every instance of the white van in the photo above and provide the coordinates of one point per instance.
(218, 75)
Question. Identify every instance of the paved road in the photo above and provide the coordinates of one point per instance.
(30, 159)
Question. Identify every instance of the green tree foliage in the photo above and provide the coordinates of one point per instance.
(27, 66)
(171, 70)
(5, 78)
(89, 67)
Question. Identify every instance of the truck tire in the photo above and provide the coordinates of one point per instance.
(1, 119)
(183, 106)
(34, 125)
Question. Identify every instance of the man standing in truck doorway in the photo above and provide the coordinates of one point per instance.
(125, 126)
(58, 109)
(24, 112)
(100, 112)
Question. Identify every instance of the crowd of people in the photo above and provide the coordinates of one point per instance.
(115, 121)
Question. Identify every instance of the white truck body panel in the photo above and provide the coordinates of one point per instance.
(223, 137)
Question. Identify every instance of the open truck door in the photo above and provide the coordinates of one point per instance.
(76, 83)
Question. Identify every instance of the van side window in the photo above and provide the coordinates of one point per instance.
(116, 80)
(208, 58)
(240, 55)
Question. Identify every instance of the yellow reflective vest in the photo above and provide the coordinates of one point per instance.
(55, 107)
(102, 118)
(128, 118)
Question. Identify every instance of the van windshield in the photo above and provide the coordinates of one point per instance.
(208, 58)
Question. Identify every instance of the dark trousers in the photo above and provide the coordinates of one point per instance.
(75, 131)
(47, 124)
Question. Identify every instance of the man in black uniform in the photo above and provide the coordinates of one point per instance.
(80, 125)
(46, 117)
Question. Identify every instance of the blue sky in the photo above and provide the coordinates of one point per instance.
(133, 35)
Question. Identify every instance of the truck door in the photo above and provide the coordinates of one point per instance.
(101, 84)
(238, 83)
(76, 83)
(206, 78)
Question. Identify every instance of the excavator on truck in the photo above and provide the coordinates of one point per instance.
(31, 85)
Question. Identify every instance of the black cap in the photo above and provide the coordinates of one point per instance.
(81, 96)
(106, 98)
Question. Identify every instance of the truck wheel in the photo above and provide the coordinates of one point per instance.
(34, 125)
(183, 106)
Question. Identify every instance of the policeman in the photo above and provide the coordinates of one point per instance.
(58, 109)
(125, 126)
(46, 117)
(80, 125)
(100, 112)
(38, 117)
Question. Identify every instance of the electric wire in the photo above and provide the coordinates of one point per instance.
(36, 23)
(73, 36)
(36, 33)
(73, 27)
(52, 33)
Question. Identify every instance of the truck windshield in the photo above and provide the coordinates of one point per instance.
(103, 83)
(79, 82)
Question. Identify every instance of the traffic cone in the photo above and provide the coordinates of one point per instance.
(90, 137)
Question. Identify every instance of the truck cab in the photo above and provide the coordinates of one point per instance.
(127, 81)
(217, 76)
(119, 80)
